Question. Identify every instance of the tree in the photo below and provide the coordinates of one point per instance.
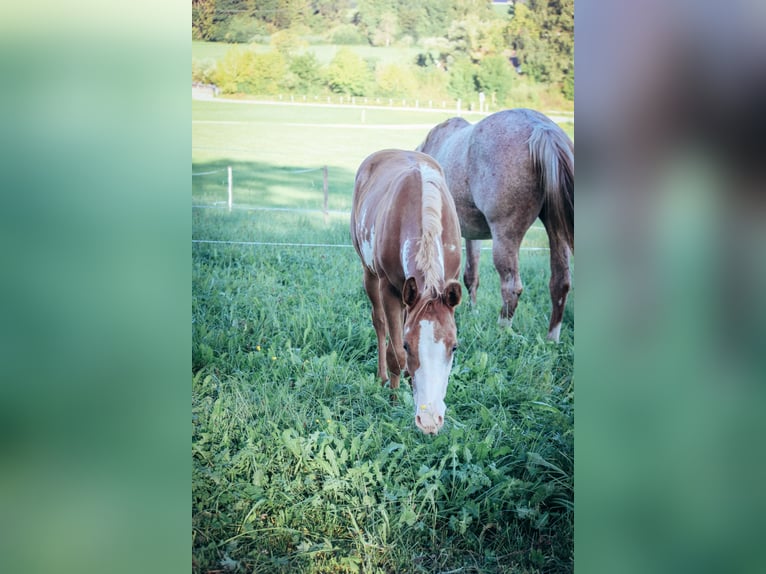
(495, 76)
(244, 71)
(332, 11)
(462, 9)
(203, 12)
(267, 73)
(241, 28)
(233, 70)
(411, 18)
(348, 74)
(435, 18)
(386, 31)
(305, 69)
(543, 33)
(287, 41)
(476, 38)
(291, 13)
(462, 78)
(395, 80)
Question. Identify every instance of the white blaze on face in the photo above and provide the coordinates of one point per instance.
(430, 380)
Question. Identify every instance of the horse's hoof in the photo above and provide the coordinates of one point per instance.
(504, 322)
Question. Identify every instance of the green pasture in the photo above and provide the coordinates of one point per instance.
(301, 462)
(270, 147)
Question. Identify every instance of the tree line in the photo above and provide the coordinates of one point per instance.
(464, 46)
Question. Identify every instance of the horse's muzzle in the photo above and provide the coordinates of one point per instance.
(429, 423)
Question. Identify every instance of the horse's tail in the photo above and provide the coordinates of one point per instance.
(553, 157)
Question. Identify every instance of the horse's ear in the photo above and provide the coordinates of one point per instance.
(453, 292)
(410, 292)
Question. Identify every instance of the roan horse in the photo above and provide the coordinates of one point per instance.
(406, 231)
(504, 172)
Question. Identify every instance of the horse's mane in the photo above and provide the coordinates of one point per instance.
(429, 258)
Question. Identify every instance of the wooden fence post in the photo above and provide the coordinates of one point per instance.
(324, 186)
(230, 189)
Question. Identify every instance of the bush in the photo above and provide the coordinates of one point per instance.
(568, 88)
(289, 40)
(306, 71)
(241, 29)
(432, 82)
(348, 74)
(462, 79)
(233, 70)
(268, 71)
(396, 81)
(347, 34)
(203, 71)
(495, 76)
(244, 71)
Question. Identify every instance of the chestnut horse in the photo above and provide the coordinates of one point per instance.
(504, 172)
(405, 229)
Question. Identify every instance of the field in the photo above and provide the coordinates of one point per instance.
(301, 463)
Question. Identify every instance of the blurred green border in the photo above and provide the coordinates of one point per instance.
(95, 337)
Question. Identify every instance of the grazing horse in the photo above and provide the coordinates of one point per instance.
(504, 172)
(406, 231)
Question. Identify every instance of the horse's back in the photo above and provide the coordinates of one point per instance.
(382, 178)
(387, 207)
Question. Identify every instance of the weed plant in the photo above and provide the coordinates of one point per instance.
(301, 463)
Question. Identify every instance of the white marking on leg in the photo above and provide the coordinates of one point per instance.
(555, 332)
(368, 250)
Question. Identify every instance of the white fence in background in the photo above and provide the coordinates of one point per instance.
(230, 205)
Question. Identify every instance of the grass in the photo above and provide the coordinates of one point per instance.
(300, 461)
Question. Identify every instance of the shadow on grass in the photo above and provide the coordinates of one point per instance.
(267, 185)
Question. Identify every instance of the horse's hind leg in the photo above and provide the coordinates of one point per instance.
(559, 284)
(505, 254)
(471, 274)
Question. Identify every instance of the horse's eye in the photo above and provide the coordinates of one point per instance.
(406, 346)
(454, 347)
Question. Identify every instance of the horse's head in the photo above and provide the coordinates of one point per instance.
(430, 340)
(435, 138)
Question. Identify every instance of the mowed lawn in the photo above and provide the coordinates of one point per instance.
(301, 463)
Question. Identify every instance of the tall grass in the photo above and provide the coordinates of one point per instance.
(301, 462)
